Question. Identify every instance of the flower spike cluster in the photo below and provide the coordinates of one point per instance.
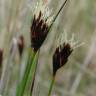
(60, 56)
(40, 25)
(62, 52)
(39, 31)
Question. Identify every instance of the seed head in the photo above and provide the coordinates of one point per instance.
(21, 44)
(62, 52)
(40, 25)
(60, 56)
(39, 31)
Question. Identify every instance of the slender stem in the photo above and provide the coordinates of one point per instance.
(35, 71)
(51, 86)
(57, 14)
(21, 88)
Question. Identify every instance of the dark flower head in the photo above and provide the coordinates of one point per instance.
(1, 57)
(39, 31)
(40, 25)
(60, 56)
(21, 44)
(62, 52)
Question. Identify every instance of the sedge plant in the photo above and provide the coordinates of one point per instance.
(39, 29)
(41, 24)
(36, 45)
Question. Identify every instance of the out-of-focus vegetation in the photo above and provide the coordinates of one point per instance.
(78, 77)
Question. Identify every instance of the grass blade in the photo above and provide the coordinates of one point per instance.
(21, 87)
(57, 14)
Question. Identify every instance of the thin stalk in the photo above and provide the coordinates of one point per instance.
(51, 86)
(19, 70)
(32, 85)
(57, 14)
(22, 86)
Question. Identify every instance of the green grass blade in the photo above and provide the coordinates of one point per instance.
(57, 14)
(21, 87)
(32, 72)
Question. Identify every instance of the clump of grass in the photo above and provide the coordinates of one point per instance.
(39, 30)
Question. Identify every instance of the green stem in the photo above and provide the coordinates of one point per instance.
(21, 88)
(57, 14)
(51, 86)
(34, 75)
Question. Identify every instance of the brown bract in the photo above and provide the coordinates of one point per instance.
(60, 56)
(21, 44)
(39, 31)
